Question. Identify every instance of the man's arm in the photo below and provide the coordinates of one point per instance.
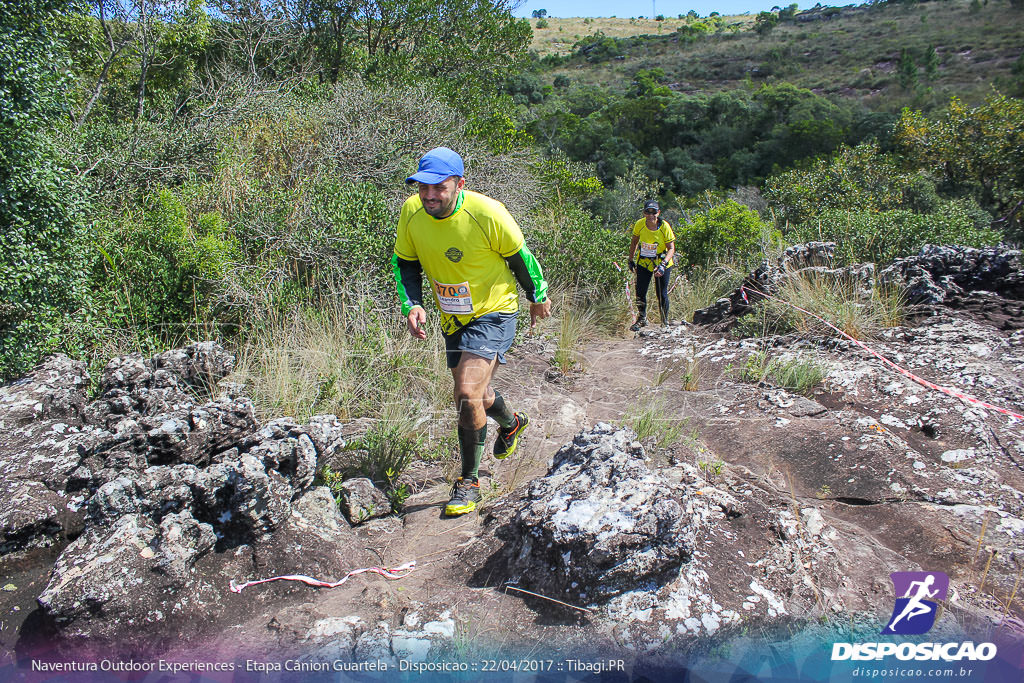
(409, 283)
(529, 276)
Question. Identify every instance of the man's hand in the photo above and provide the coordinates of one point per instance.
(539, 311)
(416, 319)
(632, 265)
(660, 270)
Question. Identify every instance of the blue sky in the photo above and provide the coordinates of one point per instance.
(670, 8)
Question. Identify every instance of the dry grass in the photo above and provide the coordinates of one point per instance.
(854, 55)
(576, 325)
(702, 288)
(561, 33)
(840, 301)
(311, 362)
(655, 420)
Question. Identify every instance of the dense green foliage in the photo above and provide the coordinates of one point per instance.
(690, 143)
(876, 206)
(42, 240)
(881, 236)
(176, 170)
(976, 152)
(727, 232)
(858, 178)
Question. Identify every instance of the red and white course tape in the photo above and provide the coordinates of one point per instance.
(399, 572)
(903, 371)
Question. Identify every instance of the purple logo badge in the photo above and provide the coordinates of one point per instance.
(917, 601)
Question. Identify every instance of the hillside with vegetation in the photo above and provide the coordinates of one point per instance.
(203, 359)
(882, 55)
(176, 172)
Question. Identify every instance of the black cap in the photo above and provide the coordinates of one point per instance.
(651, 204)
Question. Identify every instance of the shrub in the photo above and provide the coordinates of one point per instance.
(576, 251)
(728, 231)
(43, 240)
(863, 236)
(160, 267)
(855, 178)
(977, 152)
(599, 48)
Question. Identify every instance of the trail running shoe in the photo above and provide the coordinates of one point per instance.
(465, 494)
(635, 327)
(508, 439)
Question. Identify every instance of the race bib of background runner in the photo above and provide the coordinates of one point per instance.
(454, 299)
(648, 250)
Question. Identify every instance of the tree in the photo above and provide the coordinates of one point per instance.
(42, 242)
(462, 42)
(931, 63)
(540, 13)
(130, 53)
(857, 178)
(977, 150)
(908, 70)
(765, 22)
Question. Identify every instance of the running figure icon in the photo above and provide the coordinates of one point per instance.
(915, 607)
(920, 593)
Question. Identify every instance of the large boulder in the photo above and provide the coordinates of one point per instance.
(598, 524)
(935, 275)
(169, 490)
(41, 437)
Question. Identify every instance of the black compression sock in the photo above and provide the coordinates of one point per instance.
(471, 448)
(500, 413)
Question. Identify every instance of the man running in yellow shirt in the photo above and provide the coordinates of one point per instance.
(657, 245)
(473, 253)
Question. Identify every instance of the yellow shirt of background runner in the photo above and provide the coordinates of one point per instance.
(658, 238)
(463, 256)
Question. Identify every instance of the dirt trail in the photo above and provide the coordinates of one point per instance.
(485, 616)
(821, 496)
(849, 465)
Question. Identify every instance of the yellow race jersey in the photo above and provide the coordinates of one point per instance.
(463, 256)
(652, 244)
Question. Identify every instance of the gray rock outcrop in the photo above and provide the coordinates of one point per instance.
(935, 275)
(598, 524)
(165, 491)
(937, 272)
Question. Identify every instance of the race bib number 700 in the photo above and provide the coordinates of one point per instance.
(454, 299)
(648, 250)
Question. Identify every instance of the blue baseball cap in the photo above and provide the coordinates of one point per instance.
(436, 165)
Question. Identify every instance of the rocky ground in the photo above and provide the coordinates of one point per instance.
(127, 510)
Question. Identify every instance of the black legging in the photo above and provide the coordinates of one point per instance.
(643, 283)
